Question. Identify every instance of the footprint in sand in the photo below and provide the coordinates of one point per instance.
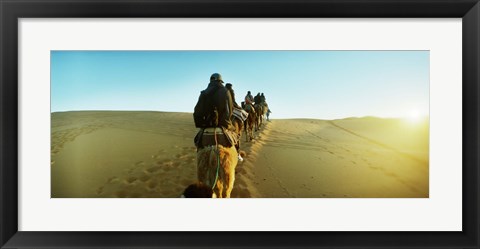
(176, 164)
(243, 193)
(391, 174)
(170, 166)
(168, 163)
(131, 180)
(139, 163)
(152, 185)
(121, 194)
(113, 180)
(160, 162)
(183, 156)
(99, 191)
(153, 169)
(167, 170)
(365, 160)
(145, 178)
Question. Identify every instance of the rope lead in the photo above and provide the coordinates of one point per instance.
(217, 151)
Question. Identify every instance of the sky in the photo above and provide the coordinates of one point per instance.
(296, 84)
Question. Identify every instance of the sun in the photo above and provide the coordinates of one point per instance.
(414, 116)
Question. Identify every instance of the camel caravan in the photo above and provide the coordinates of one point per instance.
(257, 109)
(221, 121)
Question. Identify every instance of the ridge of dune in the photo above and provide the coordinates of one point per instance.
(378, 143)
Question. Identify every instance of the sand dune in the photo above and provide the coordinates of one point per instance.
(315, 158)
(151, 154)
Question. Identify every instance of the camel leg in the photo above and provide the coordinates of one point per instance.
(252, 136)
(230, 164)
(219, 189)
(252, 128)
(229, 183)
(229, 176)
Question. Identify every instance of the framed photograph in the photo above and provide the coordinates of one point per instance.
(301, 124)
(126, 149)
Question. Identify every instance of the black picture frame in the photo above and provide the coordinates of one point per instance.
(11, 11)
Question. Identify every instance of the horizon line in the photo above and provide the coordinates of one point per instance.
(318, 118)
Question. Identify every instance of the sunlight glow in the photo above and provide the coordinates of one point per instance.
(414, 116)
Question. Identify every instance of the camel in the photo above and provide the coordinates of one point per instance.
(216, 168)
(238, 118)
(259, 109)
(250, 122)
(216, 163)
(265, 109)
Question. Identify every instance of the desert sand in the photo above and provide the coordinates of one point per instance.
(105, 154)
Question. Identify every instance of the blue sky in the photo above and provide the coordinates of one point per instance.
(297, 84)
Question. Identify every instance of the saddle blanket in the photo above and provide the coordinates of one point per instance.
(213, 136)
(240, 114)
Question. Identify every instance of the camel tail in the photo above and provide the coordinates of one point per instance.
(207, 165)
